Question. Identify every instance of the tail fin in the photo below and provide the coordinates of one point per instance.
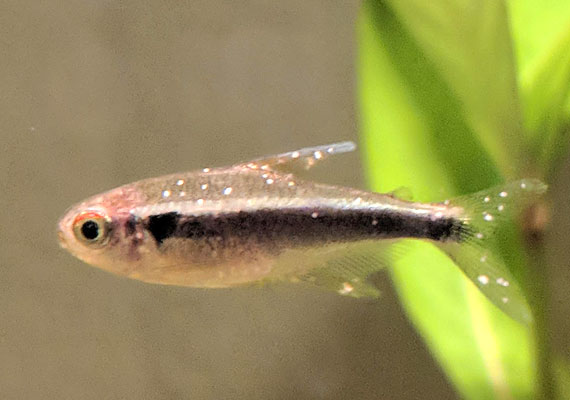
(483, 213)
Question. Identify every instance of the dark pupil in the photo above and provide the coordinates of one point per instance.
(90, 230)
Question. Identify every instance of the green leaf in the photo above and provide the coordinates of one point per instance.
(536, 26)
(439, 114)
(469, 45)
(542, 38)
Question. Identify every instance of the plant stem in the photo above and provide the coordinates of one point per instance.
(538, 298)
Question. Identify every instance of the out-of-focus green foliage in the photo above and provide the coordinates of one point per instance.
(541, 32)
(451, 104)
(562, 367)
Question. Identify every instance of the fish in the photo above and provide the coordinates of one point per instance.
(261, 221)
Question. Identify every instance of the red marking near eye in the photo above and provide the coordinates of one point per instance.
(88, 215)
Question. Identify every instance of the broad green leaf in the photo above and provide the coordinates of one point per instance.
(536, 26)
(426, 126)
(542, 38)
(468, 43)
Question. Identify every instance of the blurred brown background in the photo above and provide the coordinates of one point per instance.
(97, 94)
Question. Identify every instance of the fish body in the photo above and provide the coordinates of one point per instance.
(258, 221)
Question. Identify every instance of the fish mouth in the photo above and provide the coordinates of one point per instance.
(61, 238)
(61, 235)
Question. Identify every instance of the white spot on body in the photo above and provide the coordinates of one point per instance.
(180, 182)
(500, 207)
(505, 300)
(346, 288)
(523, 185)
(318, 155)
(314, 214)
(483, 258)
(374, 222)
(503, 194)
(330, 150)
(182, 194)
(487, 216)
(291, 183)
(264, 176)
(487, 199)
(479, 235)
(165, 193)
(200, 202)
(206, 170)
(204, 186)
(446, 202)
(269, 181)
(483, 279)
(295, 154)
(227, 191)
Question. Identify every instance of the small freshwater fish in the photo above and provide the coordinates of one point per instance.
(257, 221)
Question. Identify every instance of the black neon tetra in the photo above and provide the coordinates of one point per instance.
(258, 222)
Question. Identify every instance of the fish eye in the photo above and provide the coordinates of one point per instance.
(91, 228)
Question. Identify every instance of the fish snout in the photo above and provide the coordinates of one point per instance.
(61, 234)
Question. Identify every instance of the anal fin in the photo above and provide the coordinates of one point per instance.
(342, 268)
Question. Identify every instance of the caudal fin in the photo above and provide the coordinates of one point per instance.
(483, 213)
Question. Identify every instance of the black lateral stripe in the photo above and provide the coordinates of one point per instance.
(306, 226)
(162, 226)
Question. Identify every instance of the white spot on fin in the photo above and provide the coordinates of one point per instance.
(346, 288)
(487, 216)
(502, 282)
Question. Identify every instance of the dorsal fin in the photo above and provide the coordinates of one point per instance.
(302, 159)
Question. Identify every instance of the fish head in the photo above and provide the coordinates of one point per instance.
(99, 231)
